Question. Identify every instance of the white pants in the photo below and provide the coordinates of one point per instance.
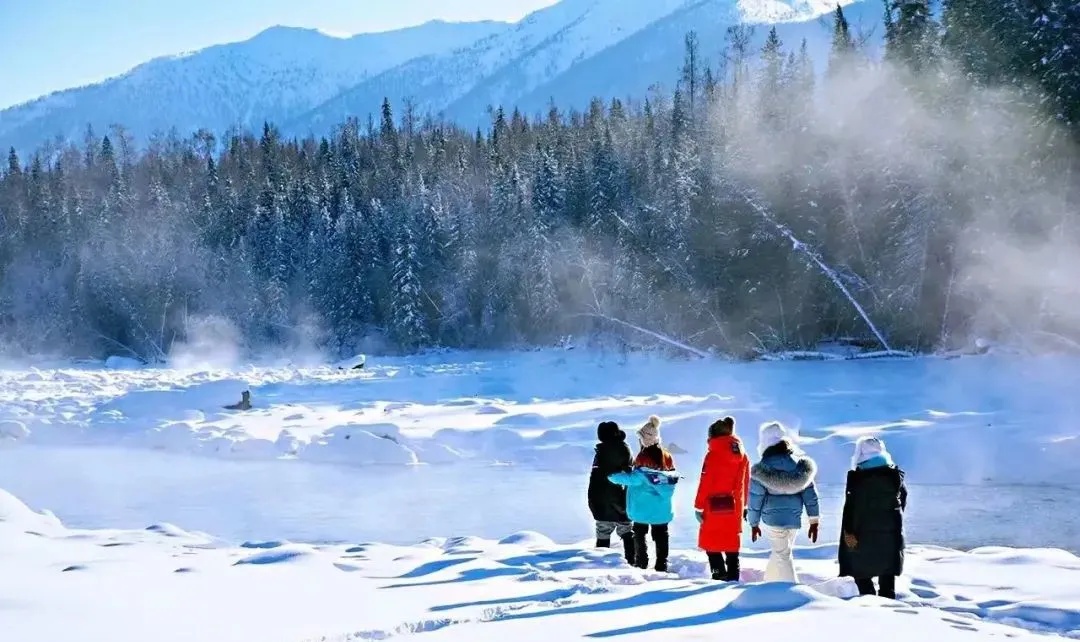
(781, 566)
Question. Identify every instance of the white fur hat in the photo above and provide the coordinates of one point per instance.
(770, 434)
(867, 448)
(649, 434)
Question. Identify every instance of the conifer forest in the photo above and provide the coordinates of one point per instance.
(911, 195)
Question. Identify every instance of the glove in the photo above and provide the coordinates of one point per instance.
(813, 533)
(755, 533)
(700, 516)
(850, 540)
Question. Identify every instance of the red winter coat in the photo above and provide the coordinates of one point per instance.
(723, 495)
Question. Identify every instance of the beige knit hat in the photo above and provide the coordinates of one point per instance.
(649, 434)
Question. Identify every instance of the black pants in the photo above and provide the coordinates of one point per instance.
(726, 570)
(641, 552)
(886, 584)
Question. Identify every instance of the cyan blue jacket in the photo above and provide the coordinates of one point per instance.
(648, 494)
(781, 486)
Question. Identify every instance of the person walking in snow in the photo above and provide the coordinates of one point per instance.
(722, 497)
(872, 529)
(650, 489)
(781, 487)
(607, 501)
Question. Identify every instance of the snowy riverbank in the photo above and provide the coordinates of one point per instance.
(949, 421)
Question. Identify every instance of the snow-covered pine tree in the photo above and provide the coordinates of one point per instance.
(770, 81)
(911, 38)
(408, 322)
(842, 52)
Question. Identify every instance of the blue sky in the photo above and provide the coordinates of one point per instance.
(47, 45)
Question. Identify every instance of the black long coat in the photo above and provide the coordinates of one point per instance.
(607, 501)
(874, 513)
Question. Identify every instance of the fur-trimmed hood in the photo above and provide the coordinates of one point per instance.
(786, 474)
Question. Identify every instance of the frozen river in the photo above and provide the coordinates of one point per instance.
(275, 499)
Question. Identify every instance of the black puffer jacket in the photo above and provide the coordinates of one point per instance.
(607, 501)
(874, 513)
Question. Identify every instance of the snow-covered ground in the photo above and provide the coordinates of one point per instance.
(166, 584)
(471, 446)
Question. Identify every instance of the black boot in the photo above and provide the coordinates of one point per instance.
(628, 548)
(603, 543)
(887, 587)
(661, 539)
(641, 551)
(732, 567)
(716, 566)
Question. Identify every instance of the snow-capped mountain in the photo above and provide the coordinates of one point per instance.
(569, 53)
(504, 65)
(274, 76)
(308, 82)
(655, 55)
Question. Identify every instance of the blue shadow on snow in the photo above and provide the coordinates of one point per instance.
(472, 575)
(433, 567)
(642, 599)
(744, 605)
(549, 596)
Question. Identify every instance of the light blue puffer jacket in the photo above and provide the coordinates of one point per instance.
(781, 486)
(649, 494)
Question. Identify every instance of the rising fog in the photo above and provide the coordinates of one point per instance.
(759, 208)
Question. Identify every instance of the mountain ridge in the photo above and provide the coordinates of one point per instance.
(308, 81)
(278, 72)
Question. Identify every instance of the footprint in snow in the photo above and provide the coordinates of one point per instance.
(925, 594)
